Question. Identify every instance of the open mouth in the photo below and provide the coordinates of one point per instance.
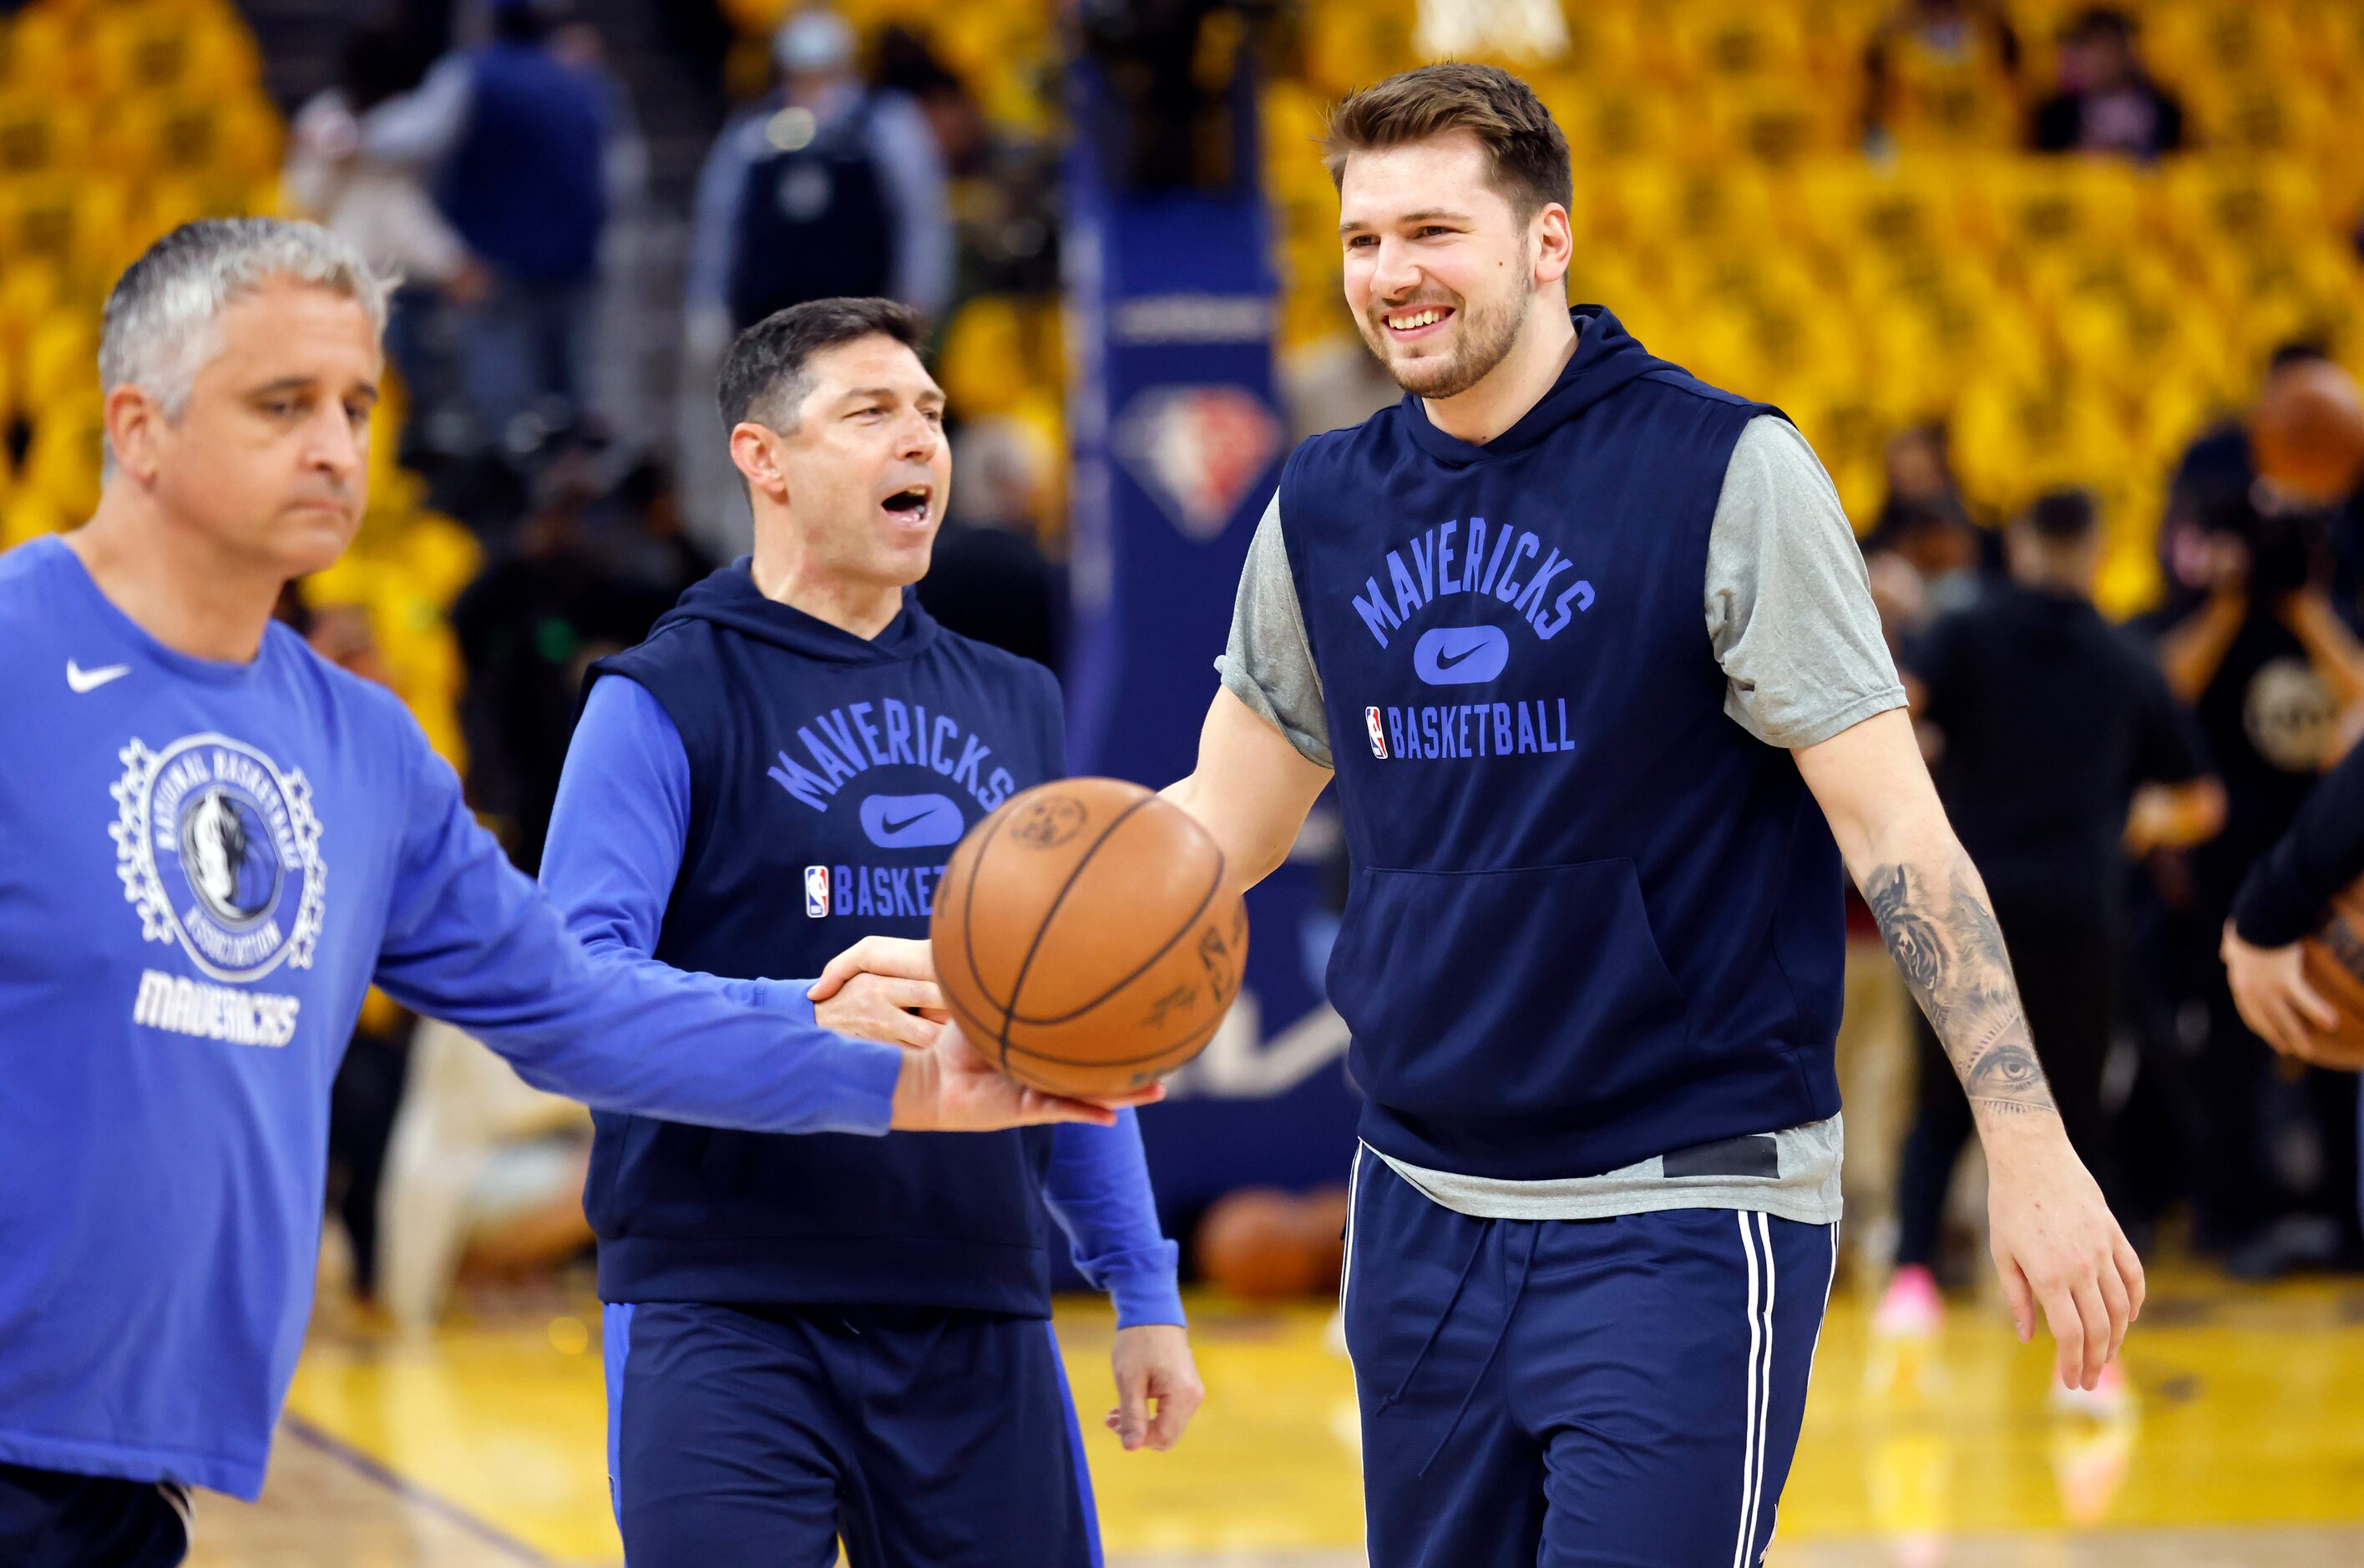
(913, 506)
(1421, 321)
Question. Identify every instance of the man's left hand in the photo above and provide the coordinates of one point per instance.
(1153, 1363)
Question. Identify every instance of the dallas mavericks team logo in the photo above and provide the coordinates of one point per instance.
(220, 852)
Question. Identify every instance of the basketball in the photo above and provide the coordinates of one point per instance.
(1084, 937)
(1262, 1244)
(2334, 959)
(2308, 432)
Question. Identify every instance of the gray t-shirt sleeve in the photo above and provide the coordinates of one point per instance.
(1789, 603)
(1268, 664)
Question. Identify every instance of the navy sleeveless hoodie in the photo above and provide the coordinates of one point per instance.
(829, 779)
(1590, 919)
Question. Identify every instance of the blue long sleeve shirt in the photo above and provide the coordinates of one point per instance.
(208, 864)
(617, 839)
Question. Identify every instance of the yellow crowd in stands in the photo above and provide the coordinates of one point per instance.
(120, 119)
(2076, 320)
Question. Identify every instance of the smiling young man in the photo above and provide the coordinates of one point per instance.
(216, 842)
(1598, 654)
(817, 1338)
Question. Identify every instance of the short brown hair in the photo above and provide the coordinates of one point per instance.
(764, 375)
(1523, 146)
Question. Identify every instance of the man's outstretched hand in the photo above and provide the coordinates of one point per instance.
(951, 1087)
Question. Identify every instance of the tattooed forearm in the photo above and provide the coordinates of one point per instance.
(1951, 952)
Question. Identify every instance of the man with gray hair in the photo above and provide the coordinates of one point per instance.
(218, 842)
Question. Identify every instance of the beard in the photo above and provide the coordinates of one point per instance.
(1483, 337)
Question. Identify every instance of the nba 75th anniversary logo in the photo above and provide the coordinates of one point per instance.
(219, 851)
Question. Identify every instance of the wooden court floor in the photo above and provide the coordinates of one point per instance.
(483, 1447)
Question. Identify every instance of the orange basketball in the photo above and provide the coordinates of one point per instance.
(2334, 960)
(1086, 938)
(1261, 1244)
(2307, 431)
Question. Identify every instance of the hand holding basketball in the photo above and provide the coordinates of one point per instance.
(951, 1087)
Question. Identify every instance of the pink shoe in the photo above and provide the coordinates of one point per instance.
(1912, 1308)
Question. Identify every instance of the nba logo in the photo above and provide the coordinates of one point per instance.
(816, 891)
(1379, 735)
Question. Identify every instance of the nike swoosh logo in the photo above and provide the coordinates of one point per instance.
(82, 680)
(1446, 662)
(891, 828)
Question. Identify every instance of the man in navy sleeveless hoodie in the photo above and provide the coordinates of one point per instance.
(1610, 707)
(812, 1339)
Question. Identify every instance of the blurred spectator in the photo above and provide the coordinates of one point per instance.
(2105, 101)
(1926, 523)
(988, 578)
(2033, 671)
(2221, 462)
(1941, 73)
(383, 211)
(2274, 670)
(526, 142)
(378, 207)
(824, 188)
(907, 65)
(527, 628)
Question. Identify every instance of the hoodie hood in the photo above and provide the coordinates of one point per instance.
(1606, 358)
(729, 597)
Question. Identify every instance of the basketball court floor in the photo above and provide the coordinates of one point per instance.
(483, 1447)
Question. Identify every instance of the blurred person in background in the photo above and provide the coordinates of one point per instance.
(1924, 524)
(907, 65)
(527, 628)
(2104, 101)
(825, 188)
(2032, 671)
(1940, 73)
(2267, 652)
(381, 208)
(988, 578)
(528, 147)
(2302, 384)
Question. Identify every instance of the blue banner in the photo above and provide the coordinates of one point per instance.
(1178, 443)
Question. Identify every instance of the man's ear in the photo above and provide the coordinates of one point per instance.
(1555, 236)
(134, 420)
(754, 452)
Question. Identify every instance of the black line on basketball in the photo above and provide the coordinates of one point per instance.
(1018, 985)
(1164, 948)
(1209, 1029)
